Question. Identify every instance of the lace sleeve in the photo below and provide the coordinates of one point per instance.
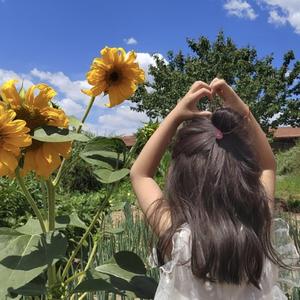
(181, 251)
(285, 246)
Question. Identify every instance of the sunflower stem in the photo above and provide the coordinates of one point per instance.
(87, 110)
(87, 232)
(30, 200)
(51, 227)
(51, 205)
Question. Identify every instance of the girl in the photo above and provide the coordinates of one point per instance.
(213, 219)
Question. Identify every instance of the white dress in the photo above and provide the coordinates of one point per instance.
(178, 283)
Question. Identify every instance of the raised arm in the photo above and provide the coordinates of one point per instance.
(142, 172)
(260, 142)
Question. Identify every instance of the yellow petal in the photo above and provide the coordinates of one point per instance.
(115, 97)
(29, 162)
(20, 141)
(64, 149)
(10, 94)
(45, 95)
(88, 92)
(131, 57)
(4, 170)
(8, 159)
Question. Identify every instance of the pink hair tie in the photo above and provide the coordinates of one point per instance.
(218, 134)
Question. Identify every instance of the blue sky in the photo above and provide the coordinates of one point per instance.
(55, 41)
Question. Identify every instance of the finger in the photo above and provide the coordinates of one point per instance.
(216, 86)
(206, 114)
(214, 81)
(198, 85)
(202, 93)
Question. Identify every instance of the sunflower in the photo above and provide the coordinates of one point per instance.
(116, 74)
(13, 136)
(36, 111)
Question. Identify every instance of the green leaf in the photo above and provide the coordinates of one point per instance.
(32, 226)
(104, 159)
(54, 134)
(23, 257)
(73, 121)
(108, 176)
(141, 285)
(96, 281)
(71, 220)
(114, 270)
(138, 286)
(36, 287)
(104, 143)
(130, 261)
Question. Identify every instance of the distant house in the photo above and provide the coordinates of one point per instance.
(129, 140)
(285, 137)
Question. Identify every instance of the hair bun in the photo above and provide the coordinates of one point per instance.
(226, 119)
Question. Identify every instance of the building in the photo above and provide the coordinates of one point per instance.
(285, 137)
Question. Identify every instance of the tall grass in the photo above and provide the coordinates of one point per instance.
(124, 230)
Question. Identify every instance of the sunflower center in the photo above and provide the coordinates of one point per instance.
(32, 117)
(114, 76)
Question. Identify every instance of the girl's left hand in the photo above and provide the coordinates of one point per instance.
(186, 108)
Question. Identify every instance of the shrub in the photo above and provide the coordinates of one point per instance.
(289, 161)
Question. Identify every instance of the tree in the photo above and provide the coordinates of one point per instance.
(272, 93)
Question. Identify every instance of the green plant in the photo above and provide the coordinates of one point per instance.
(267, 88)
(144, 133)
(293, 205)
(289, 161)
(38, 258)
(124, 230)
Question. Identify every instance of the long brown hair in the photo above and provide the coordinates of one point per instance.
(214, 186)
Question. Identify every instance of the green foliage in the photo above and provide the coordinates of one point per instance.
(123, 251)
(124, 274)
(14, 209)
(288, 162)
(24, 256)
(54, 134)
(79, 176)
(144, 133)
(293, 205)
(85, 205)
(267, 89)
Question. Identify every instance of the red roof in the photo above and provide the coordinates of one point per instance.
(286, 132)
(129, 140)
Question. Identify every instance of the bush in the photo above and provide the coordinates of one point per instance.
(293, 205)
(79, 176)
(289, 161)
(144, 133)
(14, 208)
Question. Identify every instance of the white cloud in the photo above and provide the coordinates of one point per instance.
(120, 120)
(130, 41)
(145, 60)
(282, 12)
(241, 9)
(6, 75)
(62, 83)
(275, 18)
(71, 107)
